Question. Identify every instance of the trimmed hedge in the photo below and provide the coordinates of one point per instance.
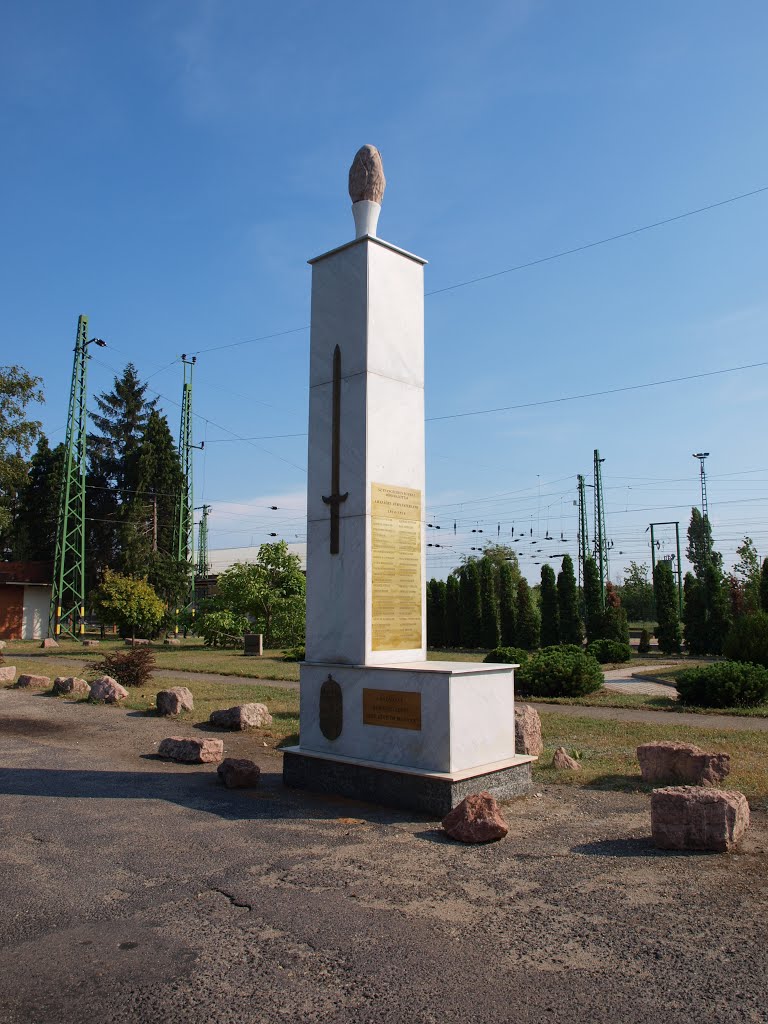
(726, 684)
(563, 671)
(508, 656)
(605, 651)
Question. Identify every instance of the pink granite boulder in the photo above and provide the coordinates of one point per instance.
(243, 716)
(238, 773)
(7, 673)
(70, 686)
(563, 761)
(528, 730)
(108, 690)
(666, 761)
(477, 819)
(49, 642)
(698, 818)
(136, 643)
(174, 701)
(172, 641)
(28, 682)
(91, 643)
(191, 750)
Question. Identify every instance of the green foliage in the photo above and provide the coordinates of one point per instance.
(615, 626)
(488, 604)
(747, 576)
(550, 611)
(294, 654)
(571, 630)
(221, 628)
(507, 656)
(727, 684)
(169, 577)
(528, 623)
(271, 591)
(131, 604)
(33, 535)
(129, 668)
(452, 612)
(667, 604)
(17, 435)
(471, 604)
(645, 642)
(436, 599)
(764, 585)
(694, 615)
(593, 602)
(606, 651)
(748, 639)
(507, 605)
(700, 552)
(563, 671)
(718, 617)
(637, 592)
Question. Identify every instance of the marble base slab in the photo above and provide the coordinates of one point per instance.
(433, 793)
(455, 716)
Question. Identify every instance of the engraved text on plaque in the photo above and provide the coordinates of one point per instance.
(396, 583)
(397, 709)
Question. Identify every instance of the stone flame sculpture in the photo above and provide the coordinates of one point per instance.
(366, 189)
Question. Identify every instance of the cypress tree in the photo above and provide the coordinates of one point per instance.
(665, 592)
(452, 612)
(615, 625)
(430, 613)
(440, 598)
(700, 551)
(550, 613)
(593, 606)
(528, 625)
(718, 619)
(571, 631)
(507, 606)
(489, 607)
(764, 585)
(471, 605)
(694, 615)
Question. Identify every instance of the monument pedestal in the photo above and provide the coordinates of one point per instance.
(418, 735)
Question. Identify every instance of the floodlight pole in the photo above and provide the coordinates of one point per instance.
(676, 525)
(701, 456)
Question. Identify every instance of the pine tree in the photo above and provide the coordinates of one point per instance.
(665, 591)
(33, 535)
(550, 612)
(764, 585)
(489, 607)
(507, 606)
(593, 605)
(452, 612)
(528, 624)
(571, 630)
(694, 615)
(471, 605)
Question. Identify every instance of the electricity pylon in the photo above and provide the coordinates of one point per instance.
(185, 541)
(583, 537)
(203, 567)
(68, 593)
(601, 542)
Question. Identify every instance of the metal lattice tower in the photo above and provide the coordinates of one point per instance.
(67, 613)
(701, 456)
(203, 566)
(601, 542)
(583, 537)
(185, 503)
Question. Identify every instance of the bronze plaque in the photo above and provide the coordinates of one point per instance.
(397, 709)
(396, 576)
(331, 709)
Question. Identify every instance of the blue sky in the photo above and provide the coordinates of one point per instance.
(170, 167)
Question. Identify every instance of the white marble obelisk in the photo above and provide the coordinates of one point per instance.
(377, 719)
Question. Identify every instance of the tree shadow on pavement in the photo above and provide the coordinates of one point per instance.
(630, 848)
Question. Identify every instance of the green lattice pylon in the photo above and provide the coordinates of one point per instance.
(583, 535)
(185, 504)
(68, 597)
(601, 540)
(203, 566)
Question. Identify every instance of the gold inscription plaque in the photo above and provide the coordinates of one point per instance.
(398, 709)
(396, 584)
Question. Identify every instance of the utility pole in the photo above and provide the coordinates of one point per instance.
(203, 567)
(583, 537)
(68, 593)
(601, 543)
(185, 551)
(701, 456)
(679, 564)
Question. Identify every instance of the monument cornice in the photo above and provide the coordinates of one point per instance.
(369, 238)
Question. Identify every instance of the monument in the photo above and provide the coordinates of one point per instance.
(377, 720)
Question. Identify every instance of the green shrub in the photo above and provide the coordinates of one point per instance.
(129, 668)
(565, 671)
(726, 684)
(748, 639)
(222, 629)
(507, 656)
(294, 654)
(645, 642)
(605, 651)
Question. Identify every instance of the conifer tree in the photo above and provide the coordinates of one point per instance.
(431, 625)
(593, 606)
(718, 619)
(452, 612)
(33, 536)
(571, 631)
(694, 615)
(528, 624)
(665, 591)
(550, 612)
(507, 606)
(700, 551)
(471, 605)
(764, 585)
(615, 625)
(440, 593)
(489, 607)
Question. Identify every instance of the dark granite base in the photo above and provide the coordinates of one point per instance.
(432, 796)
